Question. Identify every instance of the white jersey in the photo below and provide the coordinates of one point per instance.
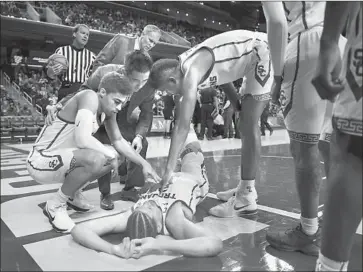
(184, 189)
(60, 135)
(303, 15)
(347, 113)
(234, 52)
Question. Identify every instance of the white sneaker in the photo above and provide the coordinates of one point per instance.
(234, 207)
(79, 203)
(226, 195)
(58, 216)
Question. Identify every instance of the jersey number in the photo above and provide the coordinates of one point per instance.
(213, 81)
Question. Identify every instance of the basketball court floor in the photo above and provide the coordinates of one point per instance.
(28, 242)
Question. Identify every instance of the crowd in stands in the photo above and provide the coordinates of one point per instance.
(38, 88)
(9, 107)
(116, 20)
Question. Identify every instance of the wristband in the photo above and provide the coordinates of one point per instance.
(138, 135)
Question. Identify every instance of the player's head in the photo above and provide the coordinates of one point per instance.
(150, 36)
(137, 66)
(81, 34)
(165, 76)
(114, 91)
(145, 221)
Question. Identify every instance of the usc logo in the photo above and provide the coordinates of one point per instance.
(261, 71)
(358, 61)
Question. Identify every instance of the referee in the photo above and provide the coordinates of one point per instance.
(79, 59)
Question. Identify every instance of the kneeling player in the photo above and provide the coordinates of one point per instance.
(67, 153)
(166, 211)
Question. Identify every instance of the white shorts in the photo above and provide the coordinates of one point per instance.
(347, 113)
(259, 75)
(302, 107)
(50, 166)
(327, 129)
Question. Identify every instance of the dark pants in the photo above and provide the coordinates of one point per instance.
(235, 120)
(64, 91)
(134, 171)
(227, 118)
(207, 119)
(218, 130)
(264, 124)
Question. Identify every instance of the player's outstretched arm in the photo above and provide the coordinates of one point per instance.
(182, 123)
(124, 148)
(190, 240)
(89, 234)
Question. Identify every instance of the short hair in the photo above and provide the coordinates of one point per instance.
(140, 225)
(114, 82)
(151, 28)
(78, 26)
(139, 61)
(161, 71)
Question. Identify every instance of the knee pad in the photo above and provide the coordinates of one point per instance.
(191, 147)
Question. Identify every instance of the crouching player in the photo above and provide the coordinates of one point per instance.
(163, 212)
(66, 152)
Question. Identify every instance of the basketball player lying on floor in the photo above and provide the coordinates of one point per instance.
(67, 153)
(220, 60)
(164, 212)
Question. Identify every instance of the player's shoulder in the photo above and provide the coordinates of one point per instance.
(87, 95)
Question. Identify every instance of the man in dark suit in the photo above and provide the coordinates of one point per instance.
(120, 45)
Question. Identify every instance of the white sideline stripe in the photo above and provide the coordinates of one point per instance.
(22, 172)
(285, 213)
(13, 167)
(218, 156)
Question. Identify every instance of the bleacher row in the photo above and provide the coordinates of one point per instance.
(20, 128)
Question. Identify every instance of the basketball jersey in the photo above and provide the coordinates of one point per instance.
(303, 15)
(233, 52)
(347, 113)
(60, 135)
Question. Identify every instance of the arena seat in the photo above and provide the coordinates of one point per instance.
(32, 129)
(5, 128)
(18, 129)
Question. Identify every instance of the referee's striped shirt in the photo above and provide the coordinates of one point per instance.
(80, 62)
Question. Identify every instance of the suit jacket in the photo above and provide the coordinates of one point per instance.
(115, 51)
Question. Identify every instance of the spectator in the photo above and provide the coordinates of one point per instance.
(169, 106)
(228, 118)
(219, 125)
(25, 111)
(12, 110)
(209, 102)
(264, 121)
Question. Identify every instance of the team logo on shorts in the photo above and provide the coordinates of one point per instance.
(355, 71)
(262, 73)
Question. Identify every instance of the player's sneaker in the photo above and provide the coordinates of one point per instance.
(79, 203)
(58, 216)
(234, 207)
(225, 195)
(295, 240)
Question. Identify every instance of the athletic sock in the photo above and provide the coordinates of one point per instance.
(59, 197)
(246, 186)
(309, 225)
(325, 264)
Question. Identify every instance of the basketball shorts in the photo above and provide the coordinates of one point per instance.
(48, 167)
(327, 129)
(259, 75)
(347, 113)
(303, 109)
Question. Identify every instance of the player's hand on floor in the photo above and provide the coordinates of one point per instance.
(126, 249)
(327, 82)
(49, 119)
(150, 174)
(144, 246)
